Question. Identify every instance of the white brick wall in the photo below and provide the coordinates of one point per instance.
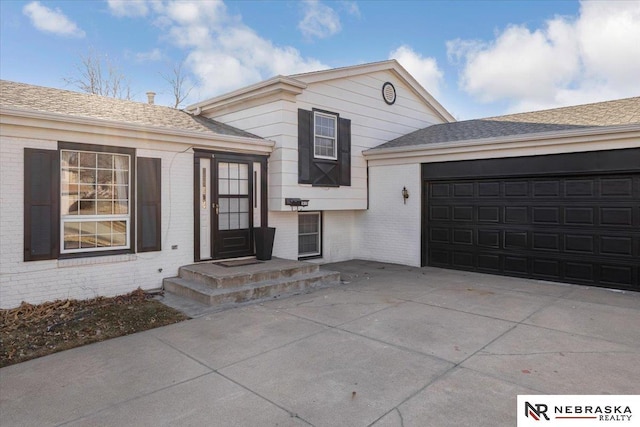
(390, 230)
(39, 281)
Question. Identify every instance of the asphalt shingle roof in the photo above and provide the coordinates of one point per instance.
(610, 113)
(50, 100)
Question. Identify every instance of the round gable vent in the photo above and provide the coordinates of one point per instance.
(389, 93)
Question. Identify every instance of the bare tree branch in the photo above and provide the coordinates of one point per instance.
(177, 82)
(98, 75)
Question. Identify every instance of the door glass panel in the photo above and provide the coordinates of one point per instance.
(234, 187)
(224, 205)
(223, 221)
(244, 219)
(233, 171)
(223, 170)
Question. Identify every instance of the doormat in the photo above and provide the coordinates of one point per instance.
(238, 262)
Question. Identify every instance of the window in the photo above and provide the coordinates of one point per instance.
(80, 200)
(95, 194)
(309, 234)
(325, 136)
(324, 149)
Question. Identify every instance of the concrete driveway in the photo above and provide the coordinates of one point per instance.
(393, 346)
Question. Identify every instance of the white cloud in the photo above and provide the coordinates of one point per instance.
(588, 58)
(128, 8)
(222, 52)
(425, 70)
(319, 20)
(51, 21)
(351, 7)
(152, 55)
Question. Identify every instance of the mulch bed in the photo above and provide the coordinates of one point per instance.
(31, 331)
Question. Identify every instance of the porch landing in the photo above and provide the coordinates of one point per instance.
(210, 286)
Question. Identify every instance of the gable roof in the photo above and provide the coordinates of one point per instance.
(389, 65)
(598, 115)
(22, 96)
(294, 84)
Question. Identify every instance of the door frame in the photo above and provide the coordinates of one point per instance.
(231, 157)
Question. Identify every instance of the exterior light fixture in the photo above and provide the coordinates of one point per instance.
(405, 194)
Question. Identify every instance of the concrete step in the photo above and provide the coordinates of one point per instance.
(258, 291)
(218, 277)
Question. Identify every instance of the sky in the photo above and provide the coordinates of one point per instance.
(477, 58)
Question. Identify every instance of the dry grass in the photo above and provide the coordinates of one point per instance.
(31, 331)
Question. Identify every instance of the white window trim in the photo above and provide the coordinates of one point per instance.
(96, 218)
(319, 251)
(335, 136)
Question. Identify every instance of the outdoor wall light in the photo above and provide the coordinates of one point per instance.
(405, 194)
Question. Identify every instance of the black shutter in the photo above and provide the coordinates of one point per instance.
(41, 204)
(305, 146)
(344, 150)
(149, 201)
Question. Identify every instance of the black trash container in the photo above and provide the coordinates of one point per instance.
(264, 242)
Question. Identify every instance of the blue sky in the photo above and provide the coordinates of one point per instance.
(478, 58)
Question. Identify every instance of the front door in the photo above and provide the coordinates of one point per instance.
(230, 196)
(232, 208)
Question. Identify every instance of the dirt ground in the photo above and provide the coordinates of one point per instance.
(31, 331)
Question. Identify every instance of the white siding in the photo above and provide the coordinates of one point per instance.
(390, 230)
(38, 281)
(373, 122)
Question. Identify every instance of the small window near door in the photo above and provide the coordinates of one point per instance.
(309, 234)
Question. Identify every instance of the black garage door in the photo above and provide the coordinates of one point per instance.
(573, 218)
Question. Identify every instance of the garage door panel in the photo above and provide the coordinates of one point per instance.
(546, 188)
(489, 263)
(580, 243)
(546, 215)
(463, 213)
(616, 216)
(463, 260)
(577, 229)
(516, 215)
(463, 236)
(546, 268)
(516, 189)
(489, 189)
(489, 238)
(616, 187)
(516, 265)
(616, 274)
(545, 242)
(488, 214)
(580, 216)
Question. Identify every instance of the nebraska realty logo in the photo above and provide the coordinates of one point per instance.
(578, 410)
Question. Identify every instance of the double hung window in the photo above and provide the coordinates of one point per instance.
(325, 136)
(309, 234)
(95, 201)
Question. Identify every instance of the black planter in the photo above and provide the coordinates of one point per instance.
(264, 242)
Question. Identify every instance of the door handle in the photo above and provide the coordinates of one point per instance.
(216, 207)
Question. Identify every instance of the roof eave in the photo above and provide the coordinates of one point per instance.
(282, 85)
(145, 131)
(533, 138)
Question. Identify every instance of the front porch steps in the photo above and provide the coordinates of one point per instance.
(211, 284)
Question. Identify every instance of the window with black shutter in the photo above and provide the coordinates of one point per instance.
(324, 149)
(79, 201)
